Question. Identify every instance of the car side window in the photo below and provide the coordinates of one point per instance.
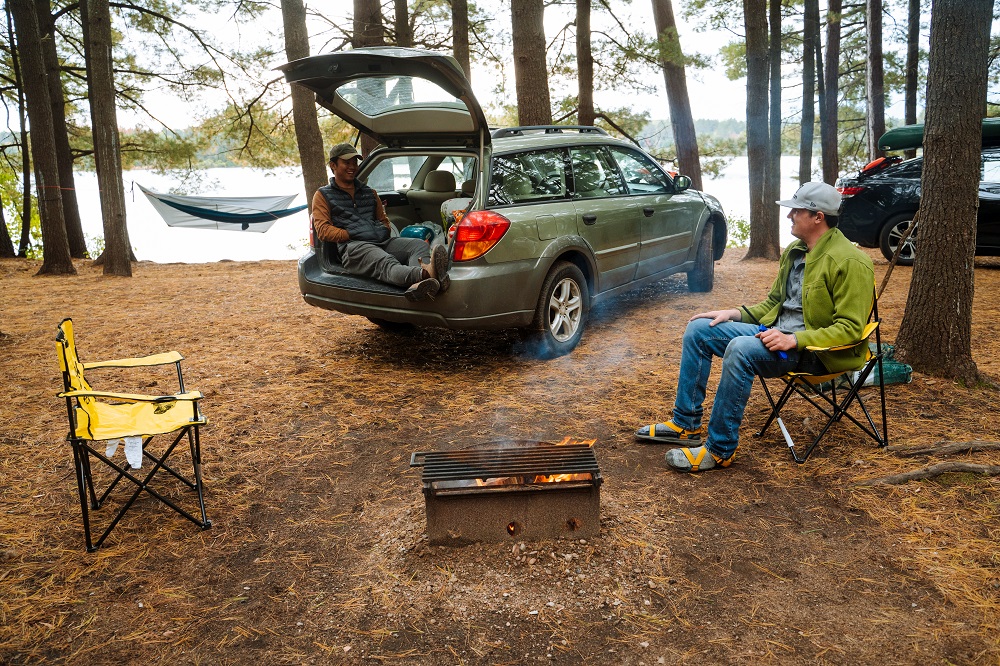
(642, 175)
(532, 176)
(594, 173)
(991, 167)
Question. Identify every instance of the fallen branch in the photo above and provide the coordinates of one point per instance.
(933, 471)
(944, 448)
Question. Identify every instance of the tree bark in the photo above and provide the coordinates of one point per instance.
(25, 242)
(935, 336)
(875, 79)
(460, 35)
(763, 232)
(912, 56)
(97, 42)
(67, 182)
(810, 39)
(681, 119)
(829, 120)
(932, 471)
(404, 36)
(585, 114)
(55, 245)
(312, 157)
(368, 31)
(6, 245)
(531, 72)
(772, 182)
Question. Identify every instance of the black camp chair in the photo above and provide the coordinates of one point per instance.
(101, 416)
(833, 394)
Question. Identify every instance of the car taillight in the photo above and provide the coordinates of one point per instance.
(850, 191)
(477, 233)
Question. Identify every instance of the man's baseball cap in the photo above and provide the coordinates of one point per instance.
(344, 150)
(818, 197)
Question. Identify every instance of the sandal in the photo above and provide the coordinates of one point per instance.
(698, 459)
(668, 433)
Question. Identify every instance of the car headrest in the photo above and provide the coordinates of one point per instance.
(439, 181)
(517, 184)
(587, 176)
(468, 188)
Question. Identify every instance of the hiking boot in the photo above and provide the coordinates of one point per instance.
(438, 267)
(423, 290)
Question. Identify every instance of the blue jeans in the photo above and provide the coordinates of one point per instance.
(743, 356)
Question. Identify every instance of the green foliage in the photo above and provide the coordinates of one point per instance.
(739, 232)
(10, 190)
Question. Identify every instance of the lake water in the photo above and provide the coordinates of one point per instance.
(153, 240)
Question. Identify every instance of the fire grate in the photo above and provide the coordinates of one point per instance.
(521, 490)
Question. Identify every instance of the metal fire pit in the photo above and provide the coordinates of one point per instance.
(495, 492)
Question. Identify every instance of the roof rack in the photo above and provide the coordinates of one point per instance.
(547, 129)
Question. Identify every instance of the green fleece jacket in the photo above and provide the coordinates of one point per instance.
(837, 290)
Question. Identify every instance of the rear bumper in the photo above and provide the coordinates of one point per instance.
(482, 296)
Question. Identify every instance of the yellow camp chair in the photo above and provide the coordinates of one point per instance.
(834, 406)
(96, 416)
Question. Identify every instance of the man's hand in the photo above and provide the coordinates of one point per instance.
(719, 316)
(776, 341)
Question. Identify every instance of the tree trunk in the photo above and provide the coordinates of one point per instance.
(912, 56)
(368, 31)
(404, 36)
(312, 157)
(681, 120)
(96, 15)
(763, 234)
(67, 182)
(57, 259)
(810, 38)
(460, 34)
(531, 72)
(875, 79)
(6, 245)
(829, 121)
(772, 182)
(935, 336)
(25, 242)
(585, 114)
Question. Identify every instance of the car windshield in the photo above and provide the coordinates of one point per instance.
(378, 95)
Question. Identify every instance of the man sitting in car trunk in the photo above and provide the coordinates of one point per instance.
(821, 297)
(349, 213)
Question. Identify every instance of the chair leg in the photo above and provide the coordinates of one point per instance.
(83, 480)
(195, 442)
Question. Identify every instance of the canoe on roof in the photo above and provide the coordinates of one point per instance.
(909, 137)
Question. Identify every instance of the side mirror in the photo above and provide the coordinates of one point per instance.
(681, 183)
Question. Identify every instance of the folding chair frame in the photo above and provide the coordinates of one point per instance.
(83, 449)
(829, 405)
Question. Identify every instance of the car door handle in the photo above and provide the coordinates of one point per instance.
(648, 212)
(590, 218)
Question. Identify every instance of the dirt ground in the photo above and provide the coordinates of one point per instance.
(318, 551)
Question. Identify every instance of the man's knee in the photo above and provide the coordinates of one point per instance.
(740, 349)
(696, 329)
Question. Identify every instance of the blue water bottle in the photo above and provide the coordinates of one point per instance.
(782, 354)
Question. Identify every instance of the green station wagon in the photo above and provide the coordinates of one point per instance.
(542, 222)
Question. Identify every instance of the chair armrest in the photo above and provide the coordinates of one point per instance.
(869, 329)
(132, 397)
(142, 361)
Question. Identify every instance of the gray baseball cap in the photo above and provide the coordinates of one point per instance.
(818, 197)
(344, 150)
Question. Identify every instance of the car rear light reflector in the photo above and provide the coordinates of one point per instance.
(850, 191)
(477, 233)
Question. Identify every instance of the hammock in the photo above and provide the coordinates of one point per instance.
(231, 213)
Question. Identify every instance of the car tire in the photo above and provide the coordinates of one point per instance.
(702, 276)
(892, 232)
(397, 327)
(561, 315)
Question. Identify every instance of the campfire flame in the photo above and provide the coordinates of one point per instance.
(542, 478)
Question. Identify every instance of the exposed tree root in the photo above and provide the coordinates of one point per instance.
(944, 448)
(933, 471)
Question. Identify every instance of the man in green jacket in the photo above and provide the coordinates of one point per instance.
(822, 297)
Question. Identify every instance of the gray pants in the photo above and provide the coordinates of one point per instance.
(396, 261)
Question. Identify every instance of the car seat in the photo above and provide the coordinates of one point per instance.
(587, 180)
(439, 186)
